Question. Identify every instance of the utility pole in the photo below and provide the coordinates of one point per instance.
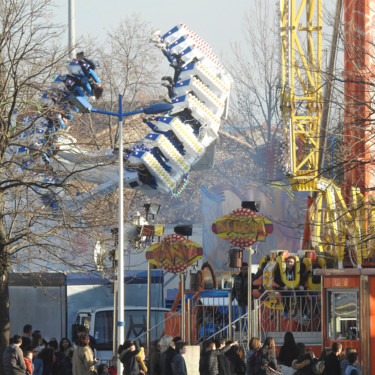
(72, 29)
(151, 110)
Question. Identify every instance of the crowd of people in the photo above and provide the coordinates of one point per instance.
(301, 360)
(30, 354)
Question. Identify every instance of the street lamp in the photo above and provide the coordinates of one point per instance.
(151, 110)
(151, 209)
(254, 206)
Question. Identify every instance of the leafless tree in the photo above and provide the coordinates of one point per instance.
(36, 232)
(130, 66)
(255, 114)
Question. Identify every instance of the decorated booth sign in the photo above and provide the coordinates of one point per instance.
(242, 227)
(174, 253)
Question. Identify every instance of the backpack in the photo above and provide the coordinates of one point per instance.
(319, 367)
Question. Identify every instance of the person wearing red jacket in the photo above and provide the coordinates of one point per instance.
(28, 358)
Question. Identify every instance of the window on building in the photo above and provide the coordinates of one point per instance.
(342, 314)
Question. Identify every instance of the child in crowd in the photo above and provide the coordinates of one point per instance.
(28, 358)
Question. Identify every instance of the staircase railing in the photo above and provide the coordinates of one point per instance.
(211, 317)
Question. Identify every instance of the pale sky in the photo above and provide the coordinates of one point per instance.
(218, 22)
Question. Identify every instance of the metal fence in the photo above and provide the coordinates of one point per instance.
(273, 314)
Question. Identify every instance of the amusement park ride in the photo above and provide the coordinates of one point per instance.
(339, 223)
(338, 238)
(340, 218)
(179, 141)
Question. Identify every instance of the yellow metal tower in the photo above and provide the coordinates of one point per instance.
(301, 99)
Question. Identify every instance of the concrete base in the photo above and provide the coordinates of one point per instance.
(191, 357)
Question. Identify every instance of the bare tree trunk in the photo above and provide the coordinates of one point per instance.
(4, 254)
(4, 298)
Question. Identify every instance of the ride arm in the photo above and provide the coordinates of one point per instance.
(212, 271)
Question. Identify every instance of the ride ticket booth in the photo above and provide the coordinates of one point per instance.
(348, 311)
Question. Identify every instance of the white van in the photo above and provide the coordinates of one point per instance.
(99, 322)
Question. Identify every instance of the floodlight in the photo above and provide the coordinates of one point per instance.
(152, 208)
(184, 230)
(251, 205)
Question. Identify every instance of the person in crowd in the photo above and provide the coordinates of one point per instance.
(64, 344)
(178, 362)
(240, 289)
(37, 340)
(141, 357)
(266, 362)
(319, 365)
(83, 362)
(166, 355)
(57, 364)
(332, 362)
(154, 358)
(13, 361)
(352, 369)
(176, 339)
(128, 352)
(28, 358)
(305, 361)
(68, 365)
(208, 363)
(288, 351)
(64, 347)
(237, 365)
(47, 356)
(242, 354)
(26, 336)
(222, 359)
(59, 367)
(251, 355)
(53, 344)
(37, 362)
(290, 274)
(103, 369)
(345, 362)
(81, 330)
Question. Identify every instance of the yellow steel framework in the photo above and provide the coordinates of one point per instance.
(301, 98)
(334, 225)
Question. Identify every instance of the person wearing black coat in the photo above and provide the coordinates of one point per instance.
(239, 290)
(332, 362)
(305, 362)
(209, 364)
(288, 351)
(223, 361)
(154, 359)
(237, 365)
(178, 362)
(166, 358)
(252, 354)
(128, 352)
(266, 362)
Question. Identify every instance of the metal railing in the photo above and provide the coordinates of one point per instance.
(298, 311)
(273, 314)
